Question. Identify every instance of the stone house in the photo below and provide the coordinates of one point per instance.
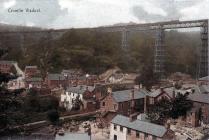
(56, 81)
(33, 82)
(200, 111)
(71, 73)
(158, 94)
(31, 71)
(198, 94)
(132, 128)
(124, 102)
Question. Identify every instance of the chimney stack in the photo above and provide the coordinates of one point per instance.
(133, 117)
(140, 86)
(132, 104)
(145, 104)
(136, 87)
(174, 95)
(168, 124)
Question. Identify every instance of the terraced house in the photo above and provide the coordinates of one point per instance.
(126, 128)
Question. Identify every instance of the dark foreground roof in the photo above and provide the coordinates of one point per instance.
(73, 136)
(142, 126)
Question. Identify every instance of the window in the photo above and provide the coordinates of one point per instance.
(137, 134)
(121, 105)
(115, 106)
(129, 104)
(115, 137)
(115, 127)
(103, 103)
(151, 100)
(145, 135)
(121, 128)
(129, 131)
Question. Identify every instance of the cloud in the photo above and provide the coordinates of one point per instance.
(92, 13)
(198, 11)
(50, 10)
(171, 8)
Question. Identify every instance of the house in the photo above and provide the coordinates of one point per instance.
(116, 78)
(33, 82)
(125, 101)
(132, 128)
(198, 94)
(199, 114)
(71, 72)
(204, 80)
(158, 94)
(31, 71)
(74, 93)
(56, 81)
(7, 66)
(81, 80)
(92, 79)
(168, 93)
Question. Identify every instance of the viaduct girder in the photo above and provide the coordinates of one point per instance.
(159, 27)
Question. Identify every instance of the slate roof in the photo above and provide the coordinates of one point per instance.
(80, 89)
(7, 62)
(73, 136)
(34, 79)
(56, 77)
(82, 77)
(71, 71)
(124, 95)
(155, 93)
(204, 78)
(142, 126)
(199, 95)
(204, 88)
(31, 67)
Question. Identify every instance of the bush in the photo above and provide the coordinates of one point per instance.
(53, 116)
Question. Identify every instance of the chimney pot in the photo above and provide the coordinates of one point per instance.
(109, 90)
(133, 117)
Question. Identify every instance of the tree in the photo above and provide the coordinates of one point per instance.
(160, 111)
(147, 77)
(8, 102)
(165, 109)
(77, 103)
(181, 105)
(53, 116)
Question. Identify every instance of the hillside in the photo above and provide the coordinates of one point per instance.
(95, 52)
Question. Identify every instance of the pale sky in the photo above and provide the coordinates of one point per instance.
(93, 13)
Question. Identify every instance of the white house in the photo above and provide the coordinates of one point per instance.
(71, 94)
